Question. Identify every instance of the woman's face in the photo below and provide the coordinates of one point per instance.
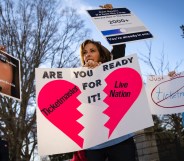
(91, 52)
(6, 75)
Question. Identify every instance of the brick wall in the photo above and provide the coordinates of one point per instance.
(161, 146)
(146, 146)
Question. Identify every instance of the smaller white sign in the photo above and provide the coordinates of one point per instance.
(119, 25)
(166, 94)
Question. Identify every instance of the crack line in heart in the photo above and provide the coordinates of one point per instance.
(123, 88)
(66, 116)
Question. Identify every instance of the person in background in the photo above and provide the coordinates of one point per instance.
(4, 152)
(106, 6)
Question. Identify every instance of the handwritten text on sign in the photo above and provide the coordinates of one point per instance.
(166, 94)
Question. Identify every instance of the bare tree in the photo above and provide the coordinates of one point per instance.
(37, 32)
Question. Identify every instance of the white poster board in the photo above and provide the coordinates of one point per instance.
(119, 25)
(166, 94)
(79, 108)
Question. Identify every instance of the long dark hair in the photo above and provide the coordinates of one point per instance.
(105, 54)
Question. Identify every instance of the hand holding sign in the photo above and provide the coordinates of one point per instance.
(3, 48)
(106, 6)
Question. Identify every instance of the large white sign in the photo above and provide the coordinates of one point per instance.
(119, 25)
(79, 108)
(166, 94)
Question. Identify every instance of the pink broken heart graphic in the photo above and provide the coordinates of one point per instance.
(123, 88)
(58, 102)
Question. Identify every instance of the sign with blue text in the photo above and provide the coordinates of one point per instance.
(119, 25)
(166, 94)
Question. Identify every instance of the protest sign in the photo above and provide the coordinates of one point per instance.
(183, 119)
(9, 76)
(119, 25)
(166, 94)
(78, 108)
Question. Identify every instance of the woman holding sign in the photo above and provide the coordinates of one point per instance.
(123, 148)
(120, 149)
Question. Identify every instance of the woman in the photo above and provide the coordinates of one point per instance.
(120, 149)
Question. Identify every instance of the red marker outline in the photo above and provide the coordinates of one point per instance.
(157, 103)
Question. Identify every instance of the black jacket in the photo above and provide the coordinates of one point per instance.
(118, 51)
(4, 152)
